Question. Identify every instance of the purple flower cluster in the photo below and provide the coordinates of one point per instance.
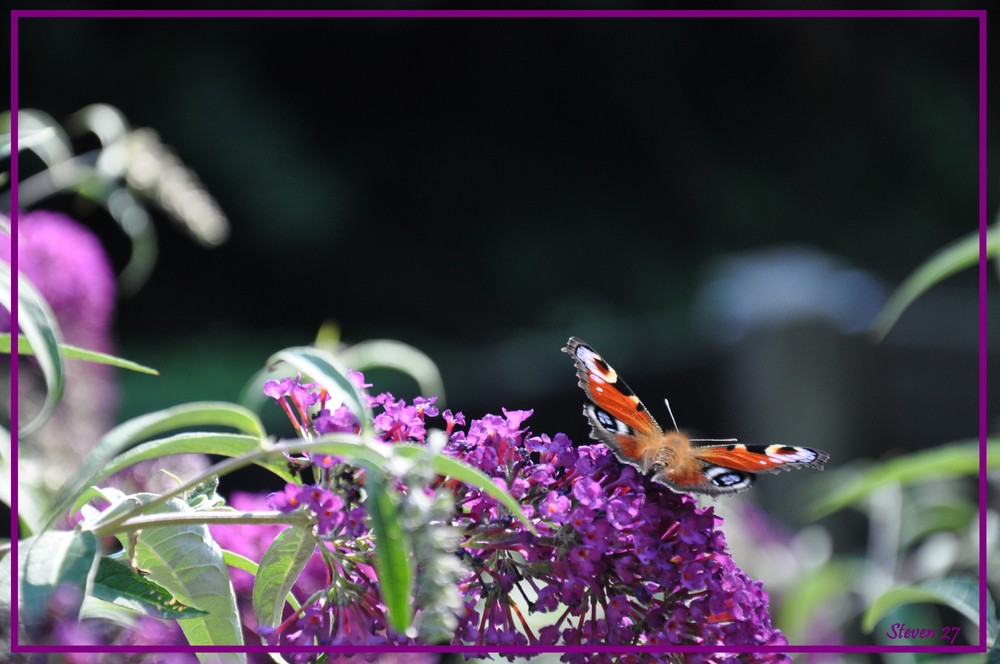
(620, 560)
(326, 506)
(348, 611)
(617, 559)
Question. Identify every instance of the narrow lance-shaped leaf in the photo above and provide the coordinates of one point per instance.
(222, 444)
(390, 354)
(75, 353)
(326, 370)
(39, 324)
(279, 568)
(234, 559)
(955, 459)
(959, 255)
(144, 427)
(393, 559)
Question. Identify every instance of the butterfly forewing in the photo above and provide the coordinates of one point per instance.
(761, 458)
(608, 392)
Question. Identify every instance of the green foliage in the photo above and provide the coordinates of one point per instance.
(186, 561)
(960, 255)
(894, 493)
(49, 562)
(954, 460)
(959, 593)
(365, 355)
(393, 561)
(35, 317)
(395, 355)
(229, 445)
(171, 568)
(279, 568)
(119, 584)
(70, 352)
(329, 372)
(812, 592)
(146, 426)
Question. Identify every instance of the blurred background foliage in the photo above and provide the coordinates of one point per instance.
(720, 206)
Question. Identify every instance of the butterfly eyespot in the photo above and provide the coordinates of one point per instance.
(728, 479)
(606, 420)
(723, 477)
(790, 454)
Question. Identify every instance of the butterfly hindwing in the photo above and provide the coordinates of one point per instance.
(614, 433)
(719, 480)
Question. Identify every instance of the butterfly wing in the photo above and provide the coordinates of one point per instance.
(710, 479)
(617, 417)
(732, 468)
(760, 458)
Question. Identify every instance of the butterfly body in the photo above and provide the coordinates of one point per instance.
(619, 420)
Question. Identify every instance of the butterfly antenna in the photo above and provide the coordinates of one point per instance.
(667, 401)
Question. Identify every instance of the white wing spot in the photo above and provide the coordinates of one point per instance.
(796, 455)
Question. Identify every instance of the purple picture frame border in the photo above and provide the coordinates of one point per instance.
(979, 14)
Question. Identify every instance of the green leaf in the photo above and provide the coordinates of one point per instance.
(959, 593)
(41, 328)
(362, 451)
(390, 354)
(953, 460)
(450, 467)
(234, 559)
(393, 562)
(326, 370)
(279, 569)
(46, 562)
(936, 517)
(223, 444)
(957, 256)
(119, 584)
(75, 353)
(186, 561)
(98, 609)
(127, 434)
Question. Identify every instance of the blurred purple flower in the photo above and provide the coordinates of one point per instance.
(67, 264)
